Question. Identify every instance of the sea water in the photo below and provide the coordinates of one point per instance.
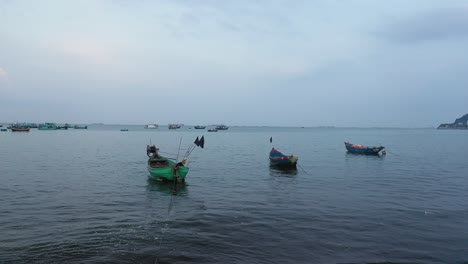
(83, 196)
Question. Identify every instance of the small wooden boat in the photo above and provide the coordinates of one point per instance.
(367, 150)
(124, 129)
(3, 129)
(20, 129)
(212, 130)
(279, 159)
(199, 127)
(174, 126)
(222, 127)
(80, 127)
(164, 169)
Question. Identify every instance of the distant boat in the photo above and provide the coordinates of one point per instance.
(124, 129)
(80, 127)
(174, 126)
(212, 130)
(26, 129)
(3, 129)
(47, 126)
(18, 127)
(279, 159)
(199, 127)
(367, 150)
(151, 126)
(222, 127)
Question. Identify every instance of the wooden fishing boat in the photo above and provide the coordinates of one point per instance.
(212, 130)
(124, 129)
(3, 129)
(199, 127)
(366, 150)
(222, 127)
(164, 169)
(279, 159)
(174, 126)
(80, 127)
(20, 129)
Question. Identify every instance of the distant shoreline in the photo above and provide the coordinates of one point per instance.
(256, 126)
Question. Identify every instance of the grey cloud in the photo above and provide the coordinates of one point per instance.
(447, 23)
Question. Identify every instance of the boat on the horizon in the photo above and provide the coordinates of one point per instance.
(278, 159)
(174, 126)
(3, 129)
(20, 129)
(213, 130)
(366, 150)
(80, 127)
(124, 129)
(199, 127)
(151, 126)
(222, 127)
(47, 126)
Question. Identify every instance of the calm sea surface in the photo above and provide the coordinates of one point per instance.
(83, 196)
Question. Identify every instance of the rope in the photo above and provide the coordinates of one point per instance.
(302, 169)
(178, 150)
(167, 153)
(392, 153)
(169, 209)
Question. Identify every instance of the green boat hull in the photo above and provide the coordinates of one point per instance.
(168, 173)
(47, 126)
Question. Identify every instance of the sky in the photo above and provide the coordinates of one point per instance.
(343, 63)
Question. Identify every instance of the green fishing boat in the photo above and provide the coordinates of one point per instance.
(165, 169)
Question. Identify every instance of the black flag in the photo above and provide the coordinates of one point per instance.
(271, 139)
(197, 142)
(202, 142)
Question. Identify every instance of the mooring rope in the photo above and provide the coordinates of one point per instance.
(302, 169)
(168, 153)
(169, 209)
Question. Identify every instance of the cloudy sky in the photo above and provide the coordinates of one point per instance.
(360, 63)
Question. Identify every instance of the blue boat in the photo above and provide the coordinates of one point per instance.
(366, 150)
(279, 159)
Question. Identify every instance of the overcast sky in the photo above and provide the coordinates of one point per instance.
(279, 63)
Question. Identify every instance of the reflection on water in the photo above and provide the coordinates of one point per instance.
(279, 171)
(358, 155)
(167, 187)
